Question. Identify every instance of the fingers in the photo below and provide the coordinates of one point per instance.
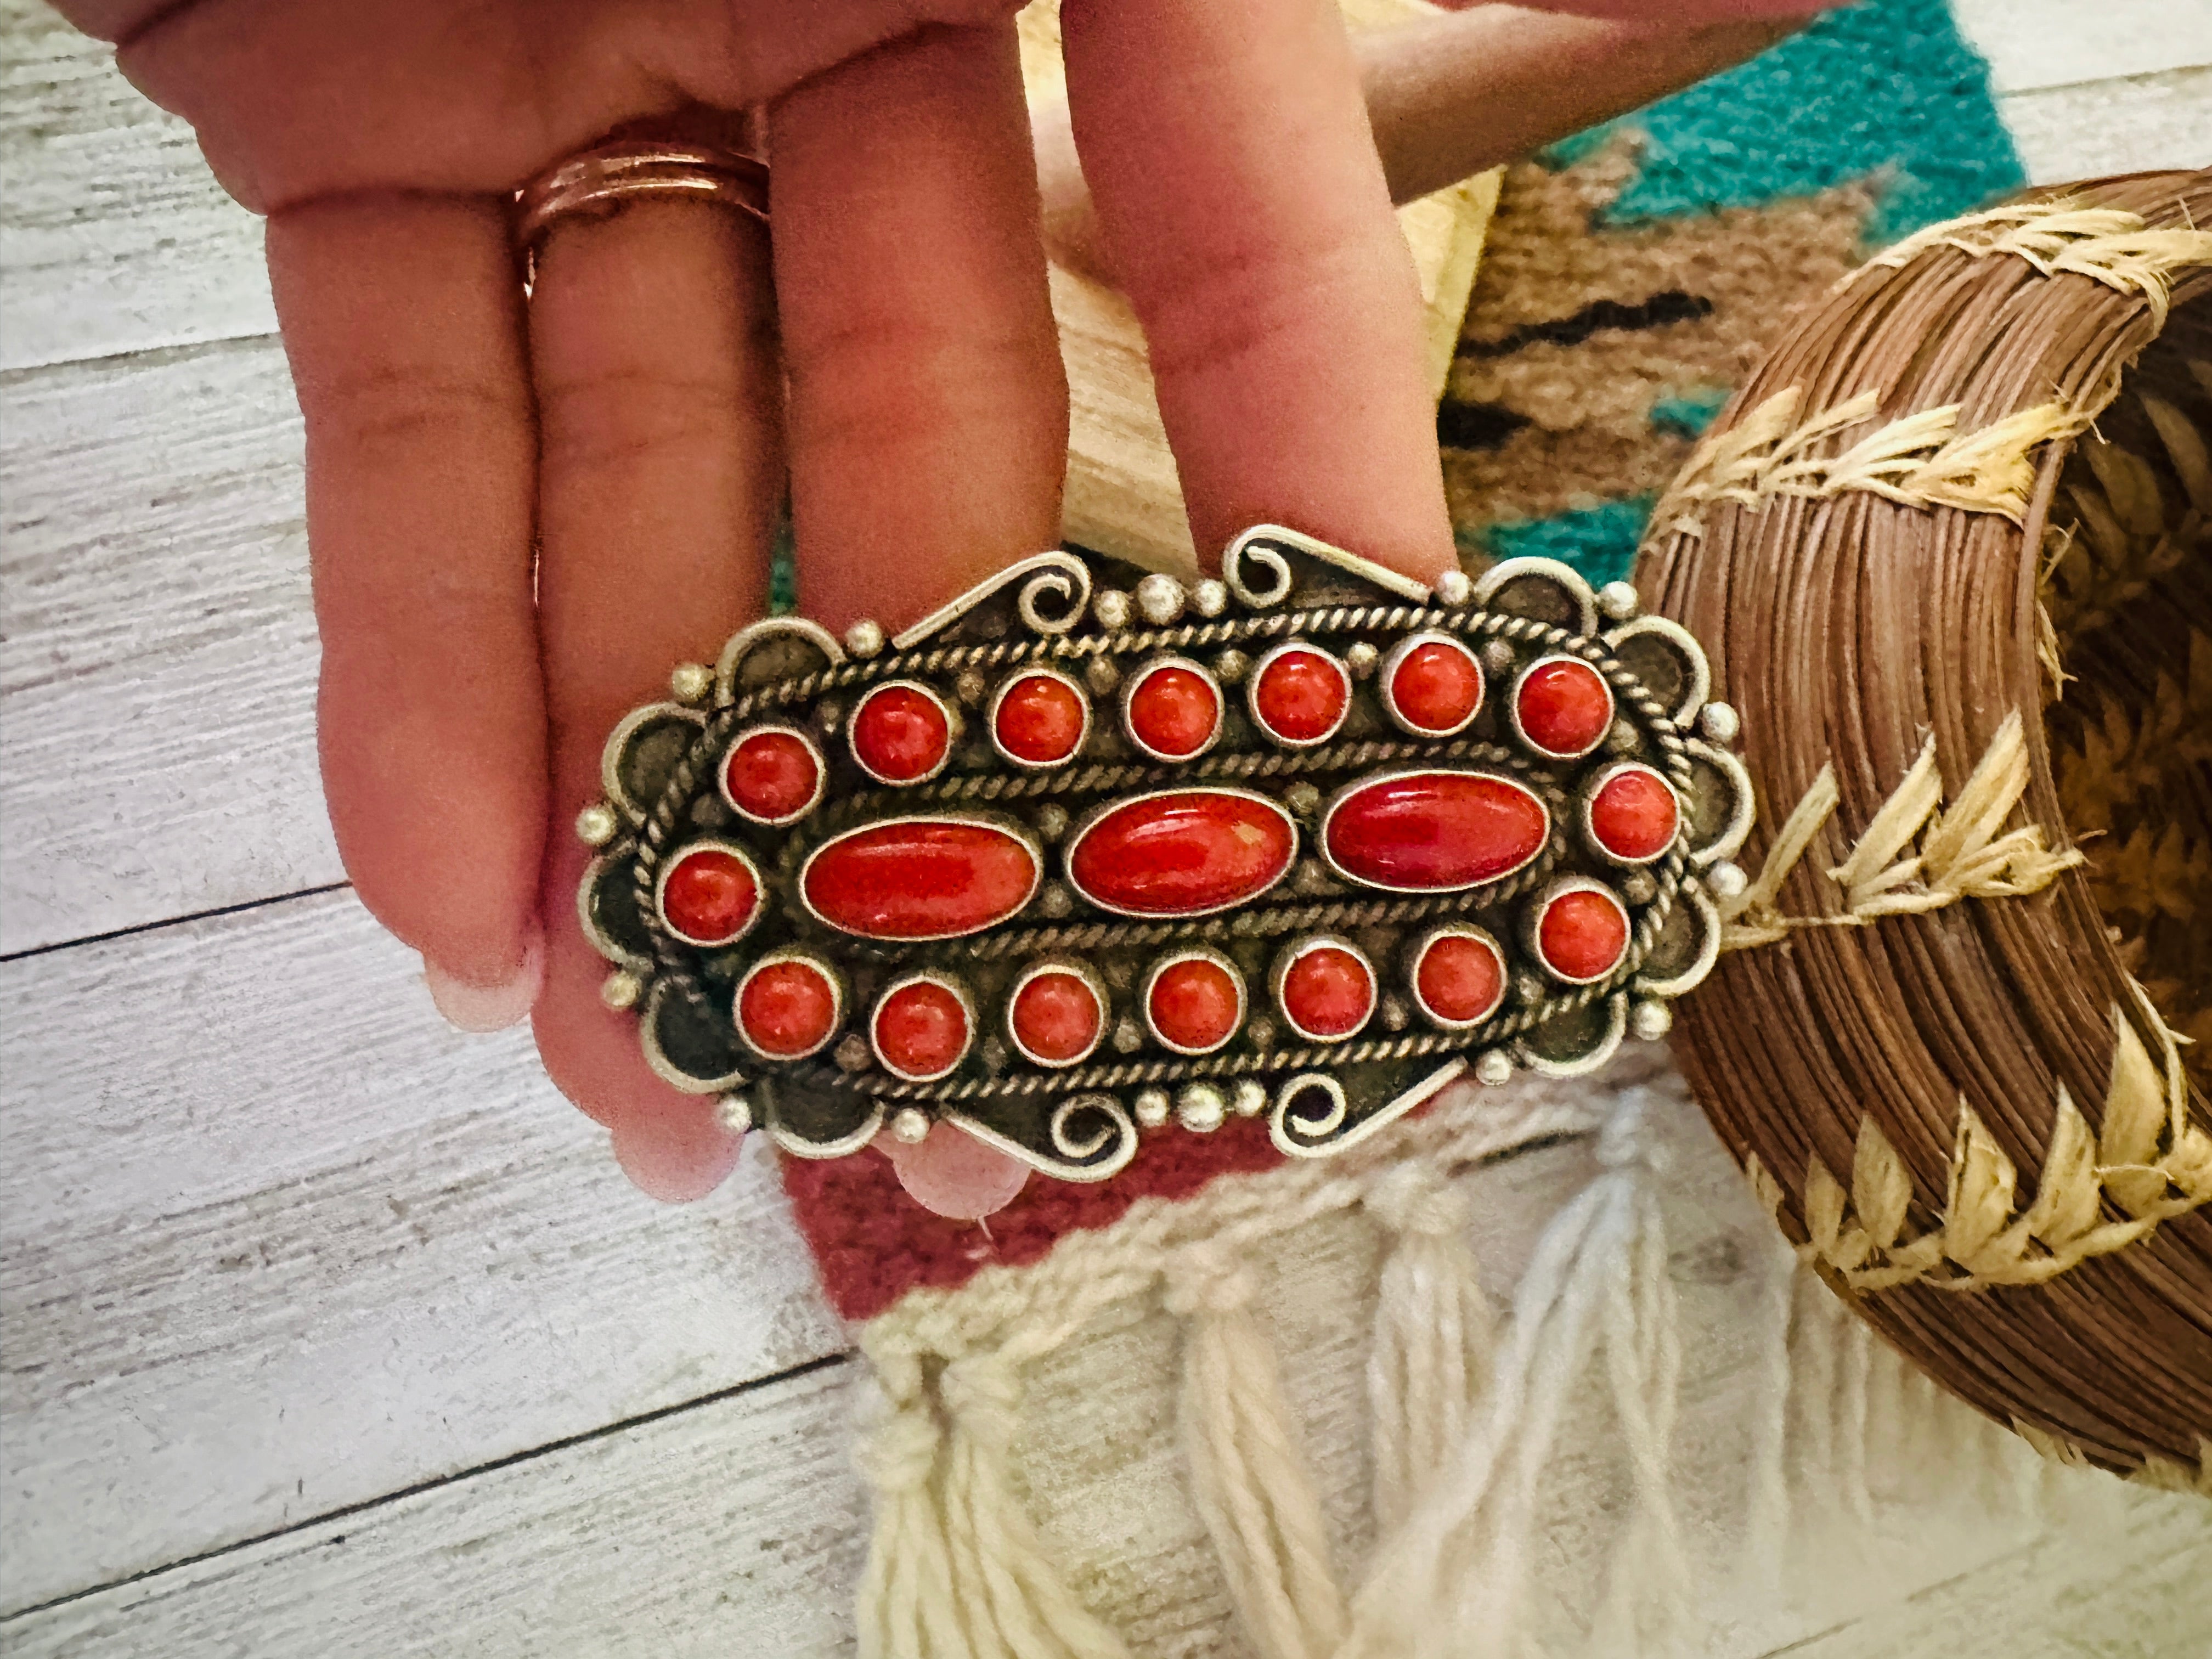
(1229, 156)
(1452, 96)
(660, 471)
(928, 410)
(419, 482)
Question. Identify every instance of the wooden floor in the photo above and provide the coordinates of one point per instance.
(329, 1332)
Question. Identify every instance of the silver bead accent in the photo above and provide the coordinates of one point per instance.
(1497, 657)
(1493, 1068)
(596, 824)
(1111, 607)
(1312, 879)
(1247, 1097)
(1231, 666)
(1395, 1015)
(1622, 738)
(853, 1054)
(690, 682)
(1200, 1108)
(1261, 1030)
(994, 1056)
(1725, 881)
(1160, 598)
(735, 1114)
(1151, 1107)
(1210, 598)
(1619, 600)
(1650, 1020)
(1638, 887)
(970, 687)
(1454, 588)
(1361, 658)
(864, 638)
(621, 989)
(1102, 677)
(1303, 799)
(1128, 1037)
(1051, 821)
(1527, 989)
(1720, 723)
(1055, 902)
(911, 1126)
(829, 716)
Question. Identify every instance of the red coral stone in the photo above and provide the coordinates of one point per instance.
(902, 733)
(1328, 992)
(1182, 854)
(772, 776)
(1634, 814)
(917, 879)
(1563, 706)
(1460, 978)
(1194, 1005)
(1583, 934)
(1055, 1016)
(1175, 710)
(1433, 832)
(1300, 695)
(920, 1029)
(788, 1009)
(710, 896)
(1436, 687)
(1039, 720)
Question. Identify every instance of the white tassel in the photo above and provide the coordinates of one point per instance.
(1009, 1590)
(955, 1570)
(1432, 1336)
(1768, 1508)
(1248, 1477)
(1451, 1584)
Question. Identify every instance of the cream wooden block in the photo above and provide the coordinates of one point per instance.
(1123, 496)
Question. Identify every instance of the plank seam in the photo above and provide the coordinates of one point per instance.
(567, 1442)
(137, 927)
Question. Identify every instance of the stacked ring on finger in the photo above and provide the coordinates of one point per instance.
(598, 179)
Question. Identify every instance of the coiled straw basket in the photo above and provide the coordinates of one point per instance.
(1951, 550)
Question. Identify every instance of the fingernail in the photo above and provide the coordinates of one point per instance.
(952, 1174)
(479, 1008)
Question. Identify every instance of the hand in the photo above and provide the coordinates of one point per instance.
(520, 517)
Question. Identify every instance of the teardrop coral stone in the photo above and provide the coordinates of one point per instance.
(1435, 832)
(1182, 854)
(918, 878)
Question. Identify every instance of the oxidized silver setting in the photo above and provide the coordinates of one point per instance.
(1099, 626)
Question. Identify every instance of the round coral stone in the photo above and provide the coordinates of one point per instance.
(1300, 695)
(1039, 720)
(1634, 814)
(772, 776)
(1328, 992)
(710, 896)
(902, 733)
(1436, 687)
(1583, 934)
(788, 1009)
(1460, 978)
(1055, 1016)
(1563, 706)
(1194, 1005)
(1175, 710)
(920, 1029)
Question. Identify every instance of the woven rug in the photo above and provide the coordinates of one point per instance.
(1072, 1394)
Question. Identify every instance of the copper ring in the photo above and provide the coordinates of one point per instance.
(602, 178)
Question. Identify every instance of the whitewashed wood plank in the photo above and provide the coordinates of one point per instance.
(274, 1241)
(730, 1529)
(738, 1527)
(2113, 126)
(2135, 1585)
(114, 237)
(157, 649)
(2034, 43)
